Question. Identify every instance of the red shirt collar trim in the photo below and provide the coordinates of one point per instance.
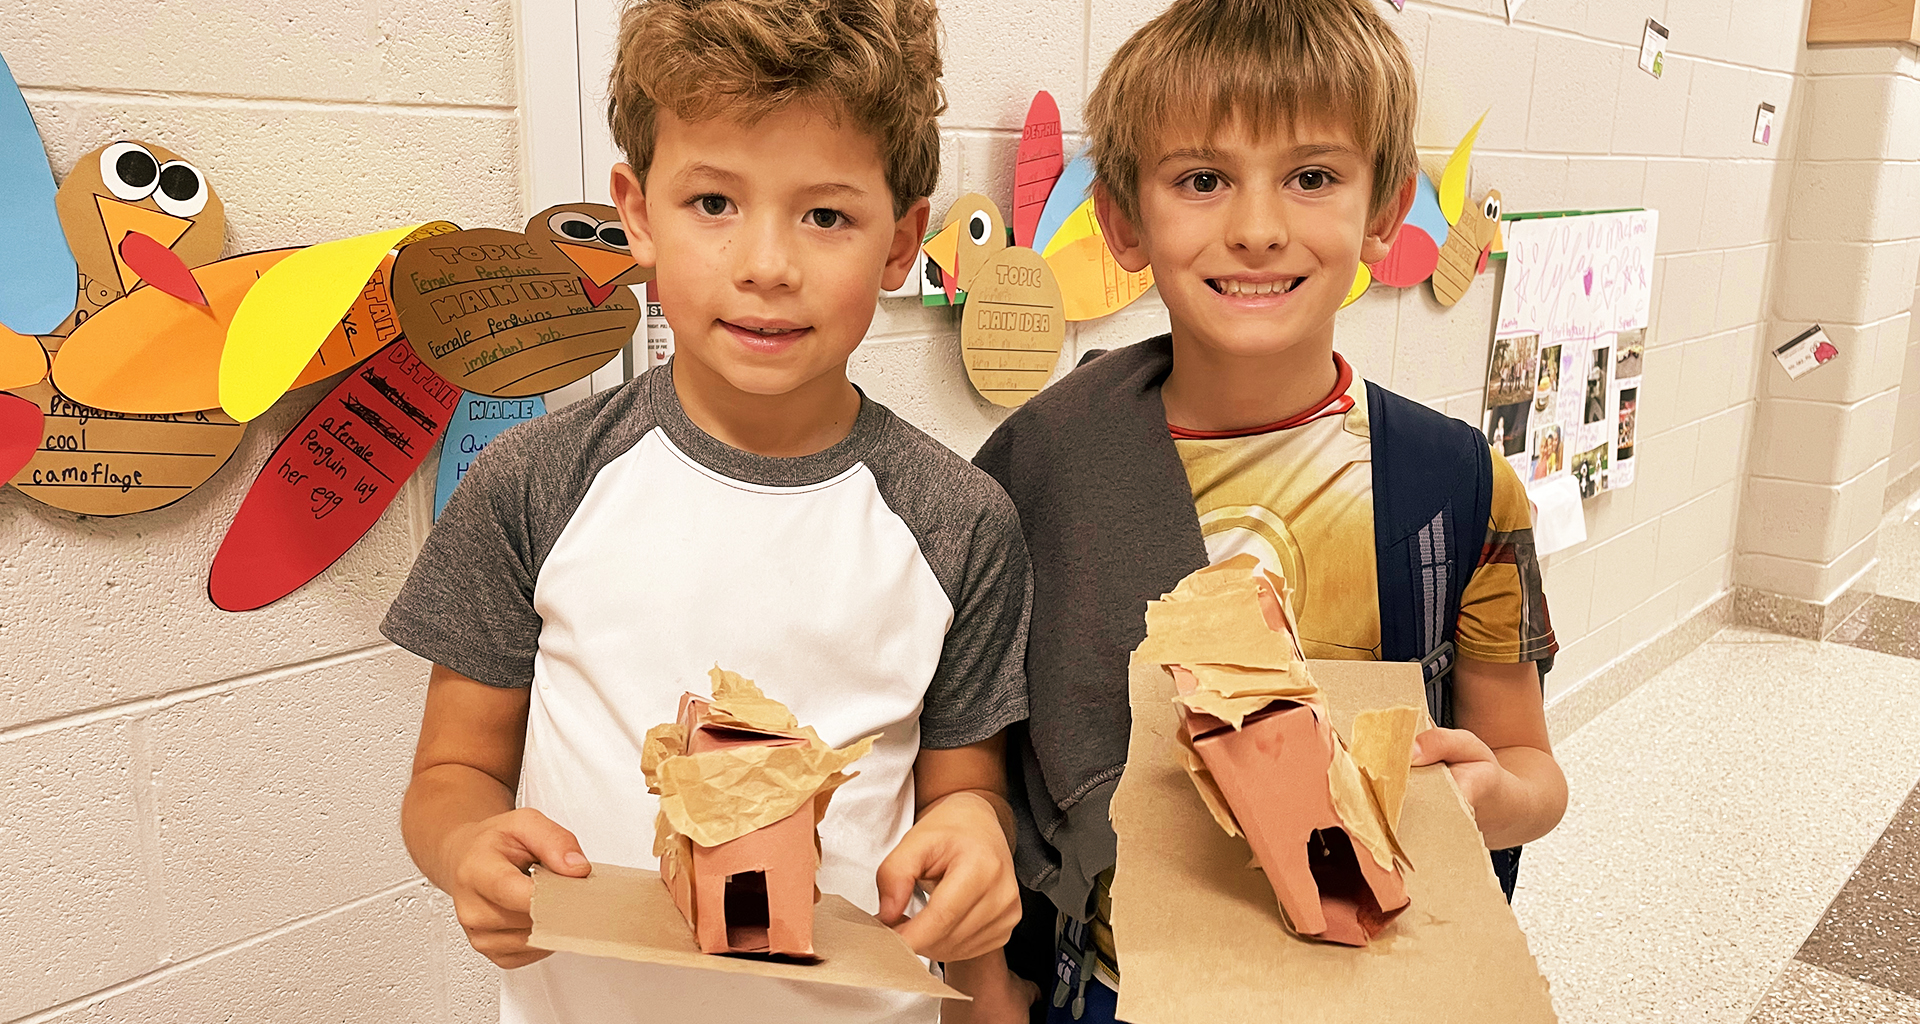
(1337, 403)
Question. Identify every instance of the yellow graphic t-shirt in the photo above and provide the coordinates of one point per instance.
(1298, 495)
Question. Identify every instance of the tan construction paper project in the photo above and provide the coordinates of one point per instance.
(1202, 940)
(1255, 741)
(743, 788)
(626, 913)
(509, 314)
(1375, 902)
(101, 463)
(1012, 327)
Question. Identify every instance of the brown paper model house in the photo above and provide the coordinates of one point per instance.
(742, 789)
(1256, 741)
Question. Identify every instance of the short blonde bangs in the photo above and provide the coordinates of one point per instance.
(1271, 63)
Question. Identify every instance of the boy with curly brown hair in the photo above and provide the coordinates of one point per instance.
(744, 505)
(1254, 153)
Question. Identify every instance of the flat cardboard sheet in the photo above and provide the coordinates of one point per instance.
(322, 489)
(626, 913)
(37, 273)
(101, 463)
(1012, 329)
(1200, 934)
(151, 352)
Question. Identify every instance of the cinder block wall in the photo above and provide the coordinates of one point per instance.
(199, 808)
(1828, 444)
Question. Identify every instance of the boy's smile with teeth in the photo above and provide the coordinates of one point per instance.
(1254, 238)
(1237, 287)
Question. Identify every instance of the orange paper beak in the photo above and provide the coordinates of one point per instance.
(599, 265)
(123, 219)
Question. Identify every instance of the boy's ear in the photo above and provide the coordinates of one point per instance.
(1385, 225)
(903, 255)
(630, 198)
(1123, 236)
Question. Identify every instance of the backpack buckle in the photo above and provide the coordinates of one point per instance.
(1438, 662)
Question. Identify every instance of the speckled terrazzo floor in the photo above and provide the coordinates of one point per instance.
(1899, 552)
(1727, 855)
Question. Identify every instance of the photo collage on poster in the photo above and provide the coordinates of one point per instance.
(1563, 382)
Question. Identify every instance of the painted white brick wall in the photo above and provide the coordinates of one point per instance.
(200, 807)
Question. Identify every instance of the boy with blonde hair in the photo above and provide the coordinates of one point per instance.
(1253, 153)
(744, 505)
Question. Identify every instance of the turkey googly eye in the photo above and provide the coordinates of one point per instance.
(130, 172)
(1492, 209)
(979, 227)
(612, 233)
(573, 226)
(183, 189)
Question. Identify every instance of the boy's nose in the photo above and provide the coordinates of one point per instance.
(766, 258)
(1258, 223)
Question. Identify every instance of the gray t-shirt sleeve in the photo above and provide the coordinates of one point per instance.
(468, 603)
(970, 535)
(980, 687)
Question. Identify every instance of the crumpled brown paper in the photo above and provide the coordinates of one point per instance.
(1214, 629)
(718, 795)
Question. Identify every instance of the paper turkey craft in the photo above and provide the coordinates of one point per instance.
(1442, 238)
(1014, 321)
(1019, 296)
(139, 220)
(510, 313)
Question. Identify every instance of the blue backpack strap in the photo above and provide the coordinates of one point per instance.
(1432, 500)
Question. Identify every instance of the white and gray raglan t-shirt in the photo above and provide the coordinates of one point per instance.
(610, 553)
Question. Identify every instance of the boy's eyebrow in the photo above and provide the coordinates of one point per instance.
(1207, 154)
(708, 172)
(1201, 153)
(831, 189)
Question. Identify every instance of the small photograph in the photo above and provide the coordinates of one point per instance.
(1629, 349)
(1629, 399)
(1596, 407)
(1510, 377)
(1546, 452)
(1590, 468)
(1507, 427)
(1548, 385)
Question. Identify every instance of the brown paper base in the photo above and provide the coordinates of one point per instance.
(1200, 935)
(626, 913)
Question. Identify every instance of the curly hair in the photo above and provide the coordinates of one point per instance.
(874, 61)
(1268, 61)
